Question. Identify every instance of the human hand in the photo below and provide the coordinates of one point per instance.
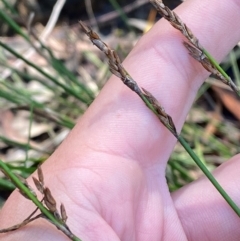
(110, 170)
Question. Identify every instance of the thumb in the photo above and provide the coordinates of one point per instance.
(200, 205)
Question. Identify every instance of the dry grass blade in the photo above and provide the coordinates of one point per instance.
(195, 49)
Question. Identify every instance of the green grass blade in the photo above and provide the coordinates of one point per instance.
(23, 146)
(235, 67)
(13, 25)
(54, 80)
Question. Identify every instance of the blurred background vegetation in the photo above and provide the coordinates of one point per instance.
(50, 73)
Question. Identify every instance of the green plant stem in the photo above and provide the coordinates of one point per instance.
(13, 25)
(199, 163)
(29, 134)
(122, 14)
(32, 77)
(219, 68)
(63, 71)
(68, 90)
(174, 164)
(34, 199)
(56, 64)
(152, 103)
(235, 67)
(215, 63)
(209, 175)
(9, 6)
(6, 185)
(23, 146)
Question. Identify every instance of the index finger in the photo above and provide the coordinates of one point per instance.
(161, 64)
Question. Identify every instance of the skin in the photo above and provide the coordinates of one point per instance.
(109, 172)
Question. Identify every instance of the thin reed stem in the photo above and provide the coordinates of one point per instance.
(211, 178)
(117, 69)
(13, 25)
(54, 80)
